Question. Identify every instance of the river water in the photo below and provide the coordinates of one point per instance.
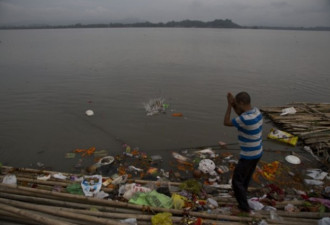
(49, 78)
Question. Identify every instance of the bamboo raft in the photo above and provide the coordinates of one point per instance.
(311, 123)
(35, 201)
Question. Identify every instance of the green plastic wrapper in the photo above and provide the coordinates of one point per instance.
(75, 188)
(153, 199)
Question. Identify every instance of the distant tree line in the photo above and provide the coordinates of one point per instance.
(185, 23)
(218, 23)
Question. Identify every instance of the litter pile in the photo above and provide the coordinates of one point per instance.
(310, 122)
(132, 188)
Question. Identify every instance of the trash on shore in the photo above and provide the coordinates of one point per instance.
(287, 111)
(292, 159)
(282, 136)
(198, 180)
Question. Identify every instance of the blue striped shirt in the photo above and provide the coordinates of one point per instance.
(249, 126)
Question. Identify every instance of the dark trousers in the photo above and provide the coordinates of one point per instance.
(241, 179)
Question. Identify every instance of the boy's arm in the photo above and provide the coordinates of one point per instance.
(230, 100)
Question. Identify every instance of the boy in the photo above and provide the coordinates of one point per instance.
(249, 126)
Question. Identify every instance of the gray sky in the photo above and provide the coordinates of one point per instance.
(244, 12)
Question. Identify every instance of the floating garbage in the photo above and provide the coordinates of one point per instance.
(70, 155)
(283, 137)
(292, 159)
(89, 112)
(156, 157)
(177, 114)
(85, 152)
(179, 157)
(101, 153)
(40, 164)
(155, 106)
(208, 151)
(222, 144)
(91, 185)
(107, 160)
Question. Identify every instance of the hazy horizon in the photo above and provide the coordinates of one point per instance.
(281, 13)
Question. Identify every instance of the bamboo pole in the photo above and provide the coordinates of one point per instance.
(7, 216)
(306, 215)
(74, 198)
(45, 201)
(33, 216)
(44, 182)
(60, 212)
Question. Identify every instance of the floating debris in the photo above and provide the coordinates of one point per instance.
(155, 106)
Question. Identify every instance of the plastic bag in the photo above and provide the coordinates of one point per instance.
(283, 137)
(289, 208)
(129, 221)
(313, 182)
(152, 198)
(290, 110)
(255, 205)
(178, 201)
(273, 216)
(159, 200)
(162, 219)
(316, 174)
(91, 185)
(130, 189)
(10, 179)
(59, 176)
(324, 221)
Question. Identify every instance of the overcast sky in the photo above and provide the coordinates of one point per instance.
(243, 12)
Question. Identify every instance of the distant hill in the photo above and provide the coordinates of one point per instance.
(218, 23)
(185, 23)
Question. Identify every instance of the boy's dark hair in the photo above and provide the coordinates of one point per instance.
(243, 97)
